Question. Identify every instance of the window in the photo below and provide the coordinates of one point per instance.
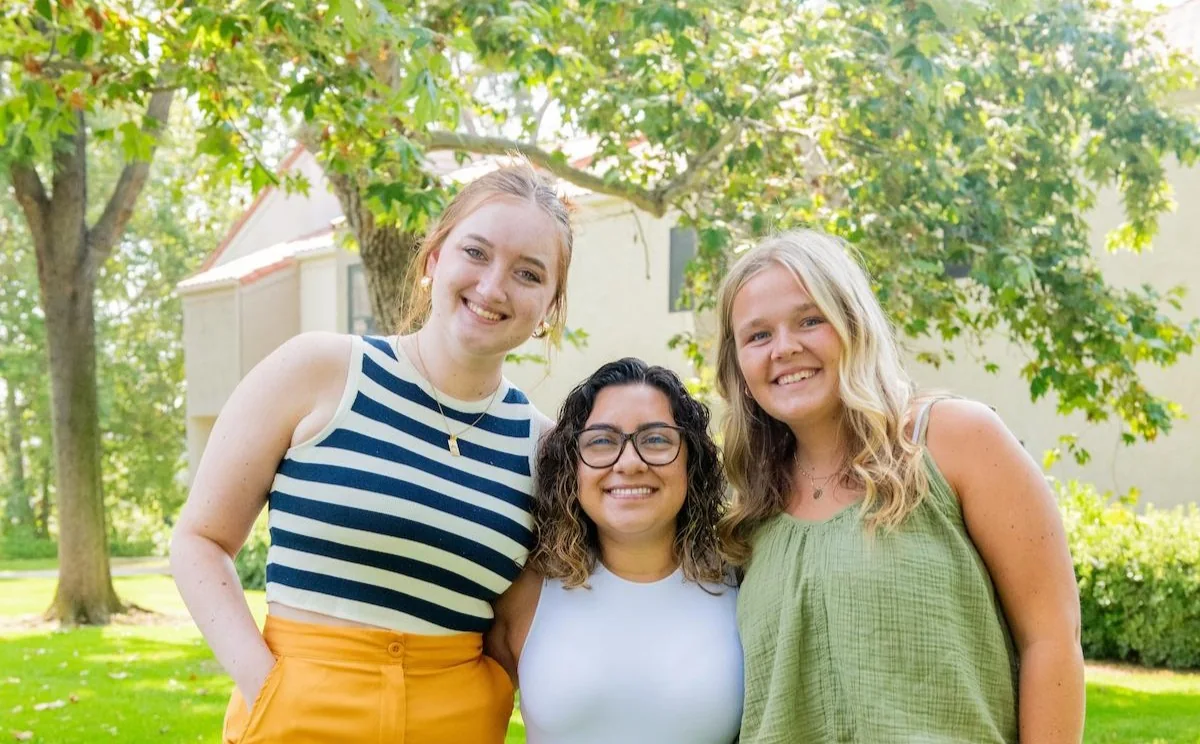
(361, 318)
(683, 250)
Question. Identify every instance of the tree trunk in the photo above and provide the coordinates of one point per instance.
(386, 250)
(69, 255)
(386, 253)
(85, 592)
(18, 511)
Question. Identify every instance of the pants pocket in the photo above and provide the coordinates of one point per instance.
(242, 723)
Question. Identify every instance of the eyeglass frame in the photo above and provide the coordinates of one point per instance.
(630, 438)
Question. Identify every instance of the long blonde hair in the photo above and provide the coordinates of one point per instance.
(875, 392)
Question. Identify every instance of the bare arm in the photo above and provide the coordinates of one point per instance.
(285, 399)
(514, 615)
(1011, 517)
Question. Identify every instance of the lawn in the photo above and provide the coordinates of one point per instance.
(157, 681)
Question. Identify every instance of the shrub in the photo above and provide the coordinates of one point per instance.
(251, 561)
(1138, 575)
(23, 544)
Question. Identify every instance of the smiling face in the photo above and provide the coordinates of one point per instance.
(494, 277)
(631, 501)
(787, 351)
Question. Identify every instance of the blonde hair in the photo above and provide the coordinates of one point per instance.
(875, 392)
(517, 182)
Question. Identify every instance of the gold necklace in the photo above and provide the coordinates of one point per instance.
(452, 443)
(819, 491)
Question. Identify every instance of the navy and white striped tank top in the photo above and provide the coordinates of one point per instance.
(373, 520)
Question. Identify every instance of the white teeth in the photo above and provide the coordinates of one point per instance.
(629, 491)
(486, 314)
(796, 377)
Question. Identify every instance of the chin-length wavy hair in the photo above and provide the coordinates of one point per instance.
(876, 395)
(567, 544)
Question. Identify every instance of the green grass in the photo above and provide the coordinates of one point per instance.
(1127, 704)
(159, 682)
(153, 682)
(27, 564)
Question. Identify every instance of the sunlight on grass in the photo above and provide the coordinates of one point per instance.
(157, 681)
(28, 564)
(1148, 706)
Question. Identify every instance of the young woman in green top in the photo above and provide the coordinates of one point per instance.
(907, 577)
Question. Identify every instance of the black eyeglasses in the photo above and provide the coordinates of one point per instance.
(657, 444)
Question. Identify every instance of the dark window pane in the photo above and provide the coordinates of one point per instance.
(683, 250)
(361, 318)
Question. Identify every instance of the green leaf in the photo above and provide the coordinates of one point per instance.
(81, 47)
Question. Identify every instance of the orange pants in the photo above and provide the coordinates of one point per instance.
(334, 684)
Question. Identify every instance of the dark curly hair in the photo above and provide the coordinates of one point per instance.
(567, 546)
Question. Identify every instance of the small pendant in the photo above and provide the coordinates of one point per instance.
(454, 445)
(816, 494)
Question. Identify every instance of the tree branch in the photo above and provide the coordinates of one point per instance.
(641, 198)
(103, 235)
(31, 195)
(687, 182)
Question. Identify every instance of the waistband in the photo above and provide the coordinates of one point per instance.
(369, 645)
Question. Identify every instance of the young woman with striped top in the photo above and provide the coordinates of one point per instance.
(397, 473)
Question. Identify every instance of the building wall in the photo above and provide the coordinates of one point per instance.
(210, 349)
(270, 315)
(319, 283)
(1166, 471)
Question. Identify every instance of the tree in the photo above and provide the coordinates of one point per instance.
(49, 91)
(941, 138)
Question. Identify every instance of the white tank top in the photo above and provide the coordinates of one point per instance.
(634, 663)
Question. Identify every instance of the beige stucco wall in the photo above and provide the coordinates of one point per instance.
(270, 315)
(616, 292)
(321, 296)
(1166, 471)
(210, 348)
(226, 331)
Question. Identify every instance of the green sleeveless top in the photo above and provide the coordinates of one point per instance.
(896, 638)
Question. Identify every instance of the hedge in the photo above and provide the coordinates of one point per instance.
(1138, 575)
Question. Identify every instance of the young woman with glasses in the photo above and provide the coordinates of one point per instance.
(623, 628)
(397, 472)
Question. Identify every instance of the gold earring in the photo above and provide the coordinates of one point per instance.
(426, 282)
(542, 329)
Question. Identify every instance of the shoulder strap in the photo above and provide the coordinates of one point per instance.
(921, 426)
(922, 422)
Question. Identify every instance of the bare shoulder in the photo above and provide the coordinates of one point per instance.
(314, 352)
(967, 438)
(304, 363)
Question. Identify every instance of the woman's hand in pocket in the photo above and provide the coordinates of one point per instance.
(250, 681)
